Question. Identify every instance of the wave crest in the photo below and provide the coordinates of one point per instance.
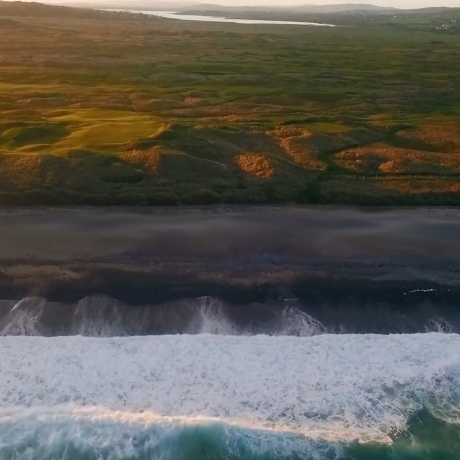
(104, 316)
(93, 433)
(24, 317)
(98, 316)
(365, 387)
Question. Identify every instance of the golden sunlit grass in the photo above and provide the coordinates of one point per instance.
(442, 133)
(116, 109)
(296, 143)
(329, 128)
(382, 158)
(255, 164)
(105, 130)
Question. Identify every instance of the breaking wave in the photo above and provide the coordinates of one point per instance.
(225, 397)
(103, 316)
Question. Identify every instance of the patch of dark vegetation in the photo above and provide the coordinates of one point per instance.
(24, 135)
(411, 143)
(9, 23)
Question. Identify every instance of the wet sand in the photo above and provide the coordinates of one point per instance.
(334, 261)
(54, 252)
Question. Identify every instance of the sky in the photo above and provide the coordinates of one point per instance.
(392, 3)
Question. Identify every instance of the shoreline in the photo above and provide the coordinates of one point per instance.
(49, 251)
(155, 271)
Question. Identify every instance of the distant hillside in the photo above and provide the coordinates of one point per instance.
(206, 8)
(432, 10)
(40, 10)
(229, 9)
(297, 9)
(193, 7)
(140, 5)
(340, 8)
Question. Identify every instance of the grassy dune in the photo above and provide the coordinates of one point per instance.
(113, 108)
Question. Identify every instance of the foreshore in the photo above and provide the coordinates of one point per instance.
(241, 254)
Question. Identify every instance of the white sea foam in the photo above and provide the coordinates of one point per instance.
(101, 316)
(327, 387)
(420, 290)
(23, 317)
(99, 433)
(298, 323)
(210, 318)
(97, 316)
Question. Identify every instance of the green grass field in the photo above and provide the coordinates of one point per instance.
(113, 108)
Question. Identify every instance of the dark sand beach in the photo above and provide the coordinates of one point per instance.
(349, 268)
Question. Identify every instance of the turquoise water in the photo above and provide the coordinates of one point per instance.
(426, 438)
(184, 397)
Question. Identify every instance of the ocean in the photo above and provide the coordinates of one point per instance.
(213, 391)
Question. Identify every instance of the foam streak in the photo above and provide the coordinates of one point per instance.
(362, 387)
